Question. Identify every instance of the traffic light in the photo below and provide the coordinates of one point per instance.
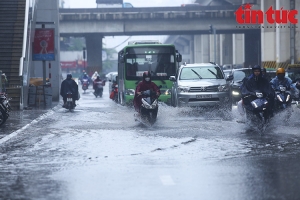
(84, 56)
(211, 29)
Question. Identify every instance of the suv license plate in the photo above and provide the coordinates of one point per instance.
(206, 96)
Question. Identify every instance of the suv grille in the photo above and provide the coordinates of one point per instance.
(213, 88)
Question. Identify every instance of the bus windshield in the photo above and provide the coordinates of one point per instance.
(161, 65)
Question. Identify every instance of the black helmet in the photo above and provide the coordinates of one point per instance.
(255, 67)
(146, 74)
(69, 76)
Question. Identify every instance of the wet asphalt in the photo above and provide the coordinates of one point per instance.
(20, 118)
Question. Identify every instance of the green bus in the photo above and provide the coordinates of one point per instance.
(162, 60)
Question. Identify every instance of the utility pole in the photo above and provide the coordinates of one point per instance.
(84, 56)
(213, 30)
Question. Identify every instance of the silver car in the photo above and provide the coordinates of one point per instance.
(202, 85)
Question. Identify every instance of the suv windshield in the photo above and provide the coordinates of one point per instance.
(205, 72)
(239, 75)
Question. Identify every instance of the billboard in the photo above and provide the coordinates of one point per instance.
(109, 1)
(43, 45)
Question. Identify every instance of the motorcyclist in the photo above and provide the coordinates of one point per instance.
(98, 84)
(297, 89)
(85, 76)
(69, 85)
(281, 79)
(256, 82)
(3, 82)
(94, 76)
(145, 84)
(264, 74)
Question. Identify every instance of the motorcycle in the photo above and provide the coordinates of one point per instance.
(149, 108)
(114, 93)
(4, 108)
(85, 84)
(69, 104)
(283, 98)
(257, 111)
(98, 89)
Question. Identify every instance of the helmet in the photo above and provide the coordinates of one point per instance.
(264, 70)
(69, 76)
(256, 67)
(280, 71)
(147, 75)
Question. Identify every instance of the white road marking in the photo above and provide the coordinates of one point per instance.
(167, 180)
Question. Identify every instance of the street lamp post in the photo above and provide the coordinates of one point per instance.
(84, 56)
(213, 30)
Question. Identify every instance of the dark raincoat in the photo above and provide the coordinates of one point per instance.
(252, 84)
(69, 85)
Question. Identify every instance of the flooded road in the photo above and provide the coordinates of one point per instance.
(100, 152)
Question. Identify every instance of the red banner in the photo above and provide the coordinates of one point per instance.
(73, 64)
(43, 44)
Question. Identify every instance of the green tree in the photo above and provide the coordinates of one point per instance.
(109, 63)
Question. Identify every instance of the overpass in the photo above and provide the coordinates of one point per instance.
(141, 21)
(94, 24)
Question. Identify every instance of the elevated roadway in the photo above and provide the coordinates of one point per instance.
(149, 21)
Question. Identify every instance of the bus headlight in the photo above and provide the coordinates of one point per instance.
(129, 92)
(168, 92)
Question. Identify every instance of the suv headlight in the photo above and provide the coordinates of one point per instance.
(223, 88)
(129, 91)
(235, 93)
(183, 88)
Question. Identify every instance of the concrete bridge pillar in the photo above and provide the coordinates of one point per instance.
(268, 38)
(94, 52)
(205, 48)
(201, 48)
(47, 11)
(282, 38)
(238, 48)
(226, 49)
(252, 48)
(198, 49)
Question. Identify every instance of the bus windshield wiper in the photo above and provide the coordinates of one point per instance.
(160, 78)
(197, 74)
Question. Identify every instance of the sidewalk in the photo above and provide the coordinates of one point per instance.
(20, 118)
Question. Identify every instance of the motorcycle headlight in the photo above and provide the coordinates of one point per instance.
(235, 93)
(129, 92)
(183, 88)
(223, 88)
(154, 104)
(146, 104)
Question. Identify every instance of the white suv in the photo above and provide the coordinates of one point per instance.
(201, 84)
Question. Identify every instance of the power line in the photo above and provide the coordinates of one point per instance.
(122, 42)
